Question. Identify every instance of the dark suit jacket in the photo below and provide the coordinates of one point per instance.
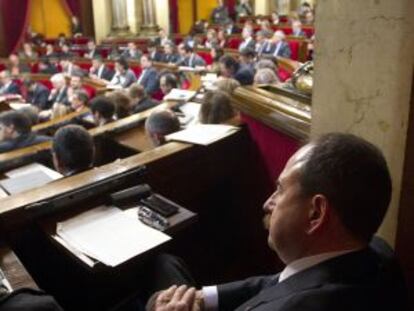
(149, 80)
(106, 74)
(283, 51)
(22, 141)
(26, 299)
(245, 75)
(144, 104)
(194, 61)
(156, 57)
(39, 97)
(355, 281)
(12, 88)
(170, 58)
(251, 45)
(60, 97)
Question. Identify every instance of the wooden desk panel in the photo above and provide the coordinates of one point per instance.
(14, 271)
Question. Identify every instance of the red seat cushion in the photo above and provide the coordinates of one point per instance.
(90, 90)
(47, 83)
(283, 74)
(206, 56)
(294, 48)
(158, 95)
(234, 42)
(136, 69)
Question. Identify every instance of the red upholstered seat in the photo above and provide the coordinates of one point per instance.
(309, 31)
(47, 83)
(136, 69)
(283, 74)
(84, 65)
(80, 40)
(158, 95)
(2, 67)
(90, 90)
(294, 48)
(206, 56)
(287, 30)
(234, 42)
(185, 85)
(34, 67)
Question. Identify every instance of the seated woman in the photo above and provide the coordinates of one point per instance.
(211, 39)
(216, 53)
(216, 108)
(122, 104)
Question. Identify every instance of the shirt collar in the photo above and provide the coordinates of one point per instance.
(308, 262)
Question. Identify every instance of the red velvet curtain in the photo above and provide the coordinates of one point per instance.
(15, 17)
(174, 27)
(73, 7)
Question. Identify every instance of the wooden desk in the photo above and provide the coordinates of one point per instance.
(14, 271)
(54, 124)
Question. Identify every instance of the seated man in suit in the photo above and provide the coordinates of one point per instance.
(248, 40)
(103, 110)
(73, 150)
(231, 68)
(170, 54)
(99, 70)
(37, 94)
(132, 52)
(70, 69)
(280, 46)
(153, 53)
(59, 92)
(330, 200)
(16, 131)
(7, 85)
(16, 67)
(46, 67)
(168, 81)
(149, 76)
(161, 123)
(140, 99)
(124, 76)
(92, 50)
(297, 29)
(192, 59)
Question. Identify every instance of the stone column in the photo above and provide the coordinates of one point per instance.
(363, 76)
(120, 25)
(149, 25)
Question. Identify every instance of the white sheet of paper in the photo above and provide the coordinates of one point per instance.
(178, 94)
(17, 106)
(28, 177)
(203, 134)
(109, 235)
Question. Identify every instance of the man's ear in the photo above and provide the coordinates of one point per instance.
(318, 213)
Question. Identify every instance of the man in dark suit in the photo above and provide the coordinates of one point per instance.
(153, 53)
(73, 150)
(92, 50)
(140, 100)
(192, 59)
(248, 40)
(149, 76)
(231, 68)
(132, 52)
(220, 14)
(103, 110)
(170, 54)
(280, 47)
(123, 76)
(59, 93)
(98, 70)
(330, 200)
(15, 132)
(7, 85)
(37, 94)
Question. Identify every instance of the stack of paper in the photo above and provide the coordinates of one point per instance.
(17, 106)
(28, 177)
(180, 95)
(203, 134)
(108, 235)
(190, 113)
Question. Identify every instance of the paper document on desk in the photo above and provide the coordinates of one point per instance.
(203, 134)
(109, 235)
(18, 106)
(190, 114)
(178, 94)
(28, 177)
